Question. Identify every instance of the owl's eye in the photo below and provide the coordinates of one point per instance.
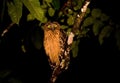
(49, 26)
(55, 25)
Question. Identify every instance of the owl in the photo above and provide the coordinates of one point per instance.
(56, 47)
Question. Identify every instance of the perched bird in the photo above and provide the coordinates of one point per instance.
(56, 48)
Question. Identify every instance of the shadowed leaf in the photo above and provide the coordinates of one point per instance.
(104, 17)
(96, 13)
(56, 4)
(88, 21)
(105, 33)
(51, 11)
(75, 48)
(117, 36)
(96, 27)
(4, 73)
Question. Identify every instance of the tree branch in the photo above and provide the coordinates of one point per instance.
(80, 16)
(77, 22)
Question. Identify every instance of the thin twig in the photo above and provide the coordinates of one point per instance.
(7, 29)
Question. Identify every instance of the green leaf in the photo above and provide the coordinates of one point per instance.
(62, 20)
(34, 7)
(18, 5)
(78, 4)
(48, 1)
(96, 27)
(30, 17)
(70, 20)
(44, 20)
(60, 14)
(43, 6)
(106, 31)
(51, 12)
(96, 13)
(70, 11)
(15, 10)
(56, 4)
(23, 48)
(64, 27)
(88, 21)
(75, 48)
(68, 31)
(88, 11)
(75, 51)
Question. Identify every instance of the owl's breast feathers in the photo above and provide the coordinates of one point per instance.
(52, 45)
(55, 44)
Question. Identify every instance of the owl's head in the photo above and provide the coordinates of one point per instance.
(52, 26)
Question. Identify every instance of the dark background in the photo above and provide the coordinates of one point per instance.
(94, 63)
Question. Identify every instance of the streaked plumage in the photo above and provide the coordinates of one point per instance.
(56, 48)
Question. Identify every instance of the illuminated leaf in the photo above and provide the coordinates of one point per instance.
(23, 48)
(64, 27)
(60, 14)
(70, 11)
(51, 11)
(68, 31)
(70, 20)
(30, 17)
(15, 10)
(43, 6)
(34, 7)
(44, 20)
(48, 1)
(88, 21)
(62, 20)
(75, 51)
(75, 48)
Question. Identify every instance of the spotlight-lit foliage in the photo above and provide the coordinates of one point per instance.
(42, 11)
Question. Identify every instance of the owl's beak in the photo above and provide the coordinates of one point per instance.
(53, 29)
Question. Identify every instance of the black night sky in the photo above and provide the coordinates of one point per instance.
(94, 63)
